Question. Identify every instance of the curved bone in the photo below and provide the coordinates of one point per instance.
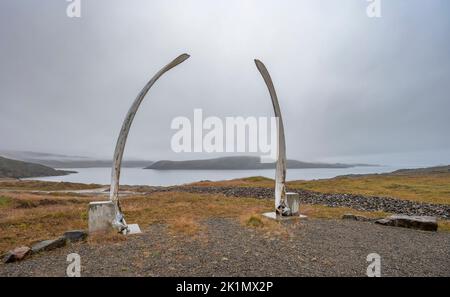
(280, 176)
(121, 141)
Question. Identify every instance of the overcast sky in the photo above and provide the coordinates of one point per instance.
(347, 84)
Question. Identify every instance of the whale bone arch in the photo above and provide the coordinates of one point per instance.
(119, 221)
(281, 206)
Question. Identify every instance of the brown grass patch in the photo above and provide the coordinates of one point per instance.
(427, 187)
(431, 188)
(28, 218)
(5, 201)
(254, 221)
(326, 212)
(254, 181)
(186, 225)
(48, 216)
(444, 225)
(166, 207)
(42, 224)
(268, 226)
(44, 185)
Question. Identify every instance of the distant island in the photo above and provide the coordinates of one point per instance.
(239, 163)
(19, 169)
(92, 163)
(423, 171)
(22, 164)
(65, 161)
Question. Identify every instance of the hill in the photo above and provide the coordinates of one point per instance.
(235, 163)
(66, 161)
(19, 169)
(419, 171)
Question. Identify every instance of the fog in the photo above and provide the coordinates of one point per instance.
(348, 85)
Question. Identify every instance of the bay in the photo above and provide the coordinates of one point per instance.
(139, 176)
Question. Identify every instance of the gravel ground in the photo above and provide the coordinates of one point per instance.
(225, 248)
(359, 202)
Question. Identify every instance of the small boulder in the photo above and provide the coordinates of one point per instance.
(48, 245)
(17, 254)
(75, 235)
(426, 223)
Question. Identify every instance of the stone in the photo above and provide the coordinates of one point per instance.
(349, 216)
(48, 245)
(101, 216)
(75, 235)
(426, 223)
(133, 229)
(293, 202)
(17, 254)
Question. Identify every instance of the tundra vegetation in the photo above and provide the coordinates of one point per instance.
(34, 210)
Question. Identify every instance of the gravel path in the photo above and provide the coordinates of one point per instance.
(359, 202)
(225, 248)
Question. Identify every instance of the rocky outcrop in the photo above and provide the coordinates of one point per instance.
(426, 223)
(19, 169)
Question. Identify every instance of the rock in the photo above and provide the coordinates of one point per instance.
(75, 235)
(426, 223)
(349, 216)
(48, 245)
(17, 254)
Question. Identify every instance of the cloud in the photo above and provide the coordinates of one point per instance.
(347, 84)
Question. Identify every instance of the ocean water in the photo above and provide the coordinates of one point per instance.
(138, 176)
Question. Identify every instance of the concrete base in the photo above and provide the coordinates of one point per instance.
(272, 215)
(133, 229)
(293, 202)
(101, 216)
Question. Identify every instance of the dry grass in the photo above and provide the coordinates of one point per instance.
(254, 221)
(429, 187)
(325, 212)
(44, 186)
(29, 217)
(268, 226)
(432, 188)
(170, 207)
(185, 225)
(254, 181)
(5, 201)
(444, 225)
